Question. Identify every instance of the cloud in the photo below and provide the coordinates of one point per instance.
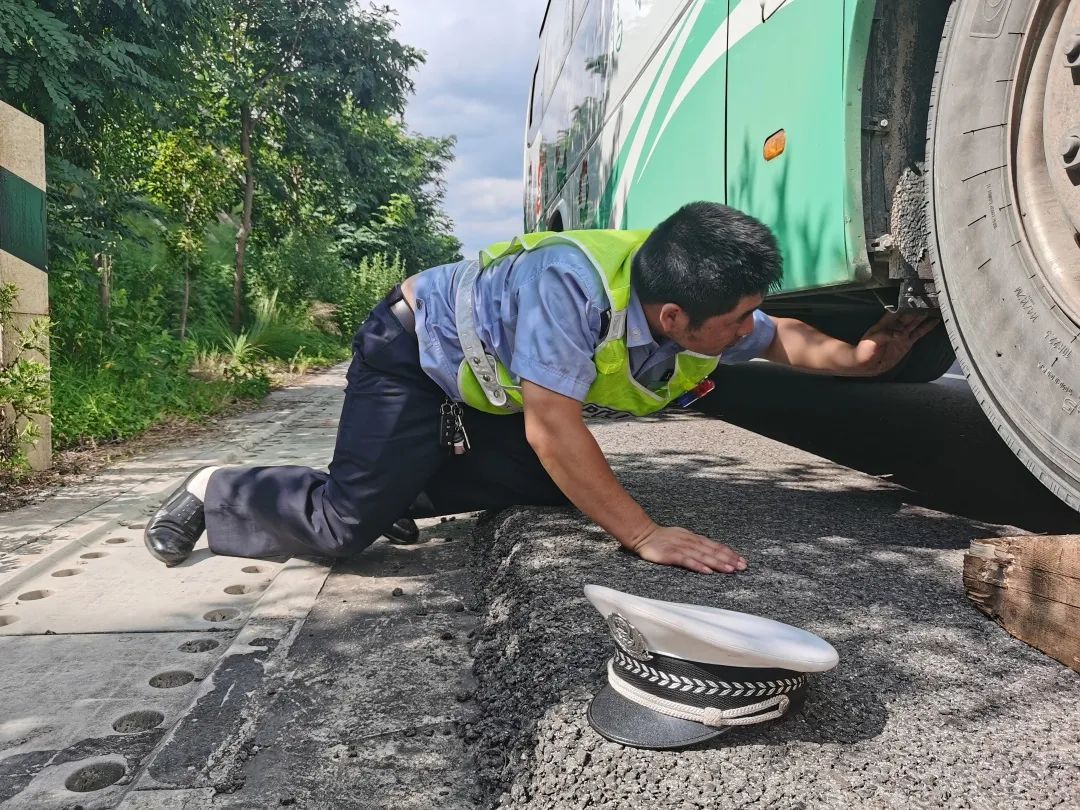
(475, 85)
(489, 196)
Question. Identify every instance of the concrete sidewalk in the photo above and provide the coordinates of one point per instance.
(455, 673)
(105, 650)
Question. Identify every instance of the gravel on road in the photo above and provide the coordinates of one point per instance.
(932, 705)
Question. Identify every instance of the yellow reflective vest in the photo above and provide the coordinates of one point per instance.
(614, 393)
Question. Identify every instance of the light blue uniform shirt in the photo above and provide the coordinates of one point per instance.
(540, 314)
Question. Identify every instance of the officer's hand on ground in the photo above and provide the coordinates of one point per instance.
(672, 545)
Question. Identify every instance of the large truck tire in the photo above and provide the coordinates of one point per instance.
(1004, 213)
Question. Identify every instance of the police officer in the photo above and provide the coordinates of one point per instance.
(468, 386)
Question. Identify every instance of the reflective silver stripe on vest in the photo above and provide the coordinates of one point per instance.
(481, 363)
(617, 328)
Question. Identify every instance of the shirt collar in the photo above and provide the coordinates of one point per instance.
(637, 328)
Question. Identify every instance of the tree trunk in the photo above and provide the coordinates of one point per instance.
(296, 175)
(244, 233)
(103, 262)
(184, 303)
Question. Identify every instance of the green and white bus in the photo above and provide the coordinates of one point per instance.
(919, 154)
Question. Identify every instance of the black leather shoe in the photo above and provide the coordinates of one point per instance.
(175, 528)
(404, 532)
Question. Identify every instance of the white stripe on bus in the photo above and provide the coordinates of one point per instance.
(744, 19)
(650, 113)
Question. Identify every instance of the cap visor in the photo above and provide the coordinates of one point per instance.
(625, 722)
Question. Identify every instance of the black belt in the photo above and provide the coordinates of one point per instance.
(403, 312)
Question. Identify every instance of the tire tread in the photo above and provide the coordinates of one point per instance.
(1070, 495)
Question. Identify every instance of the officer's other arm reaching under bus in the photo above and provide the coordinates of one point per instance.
(557, 433)
(885, 344)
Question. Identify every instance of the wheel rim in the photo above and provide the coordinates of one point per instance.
(1045, 147)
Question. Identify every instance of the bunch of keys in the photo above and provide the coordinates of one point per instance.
(452, 435)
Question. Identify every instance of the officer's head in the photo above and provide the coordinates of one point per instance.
(703, 271)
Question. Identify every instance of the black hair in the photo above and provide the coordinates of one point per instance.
(706, 257)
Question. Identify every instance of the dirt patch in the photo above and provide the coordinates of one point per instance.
(78, 465)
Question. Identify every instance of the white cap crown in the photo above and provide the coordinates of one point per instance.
(714, 636)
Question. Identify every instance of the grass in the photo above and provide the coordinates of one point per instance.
(119, 400)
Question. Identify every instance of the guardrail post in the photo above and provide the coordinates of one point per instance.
(23, 251)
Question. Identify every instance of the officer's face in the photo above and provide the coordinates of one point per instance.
(719, 332)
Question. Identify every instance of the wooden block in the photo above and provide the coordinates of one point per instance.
(1031, 587)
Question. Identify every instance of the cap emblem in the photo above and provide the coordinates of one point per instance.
(628, 637)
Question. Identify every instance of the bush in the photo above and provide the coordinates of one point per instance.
(300, 268)
(139, 378)
(104, 404)
(365, 285)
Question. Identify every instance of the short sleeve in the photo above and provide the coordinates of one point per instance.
(754, 344)
(558, 327)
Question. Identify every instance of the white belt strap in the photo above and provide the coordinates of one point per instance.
(482, 364)
(709, 717)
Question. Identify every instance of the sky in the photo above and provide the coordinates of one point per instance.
(475, 85)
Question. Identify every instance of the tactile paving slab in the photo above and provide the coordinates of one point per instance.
(110, 584)
(88, 703)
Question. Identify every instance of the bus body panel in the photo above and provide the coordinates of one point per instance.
(858, 21)
(674, 151)
(655, 104)
(787, 74)
(577, 132)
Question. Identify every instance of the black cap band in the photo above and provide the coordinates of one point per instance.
(706, 686)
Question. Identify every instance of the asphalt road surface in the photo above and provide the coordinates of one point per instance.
(854, 504)
(456, 673)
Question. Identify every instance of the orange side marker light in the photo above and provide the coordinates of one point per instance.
(775, 145)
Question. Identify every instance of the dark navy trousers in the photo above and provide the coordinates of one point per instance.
(388, 463)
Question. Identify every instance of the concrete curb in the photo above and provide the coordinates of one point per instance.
(218, 726)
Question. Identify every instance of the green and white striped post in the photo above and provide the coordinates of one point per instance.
(23, 242)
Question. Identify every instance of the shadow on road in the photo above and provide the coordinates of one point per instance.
(932, 439)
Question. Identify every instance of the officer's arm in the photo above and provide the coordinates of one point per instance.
(557, 433)
(885, 344)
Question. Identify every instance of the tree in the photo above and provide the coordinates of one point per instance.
(290, 65)
(282, 115)
(388, 191)
(72, 63)
(193, 182)
(94, 71)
